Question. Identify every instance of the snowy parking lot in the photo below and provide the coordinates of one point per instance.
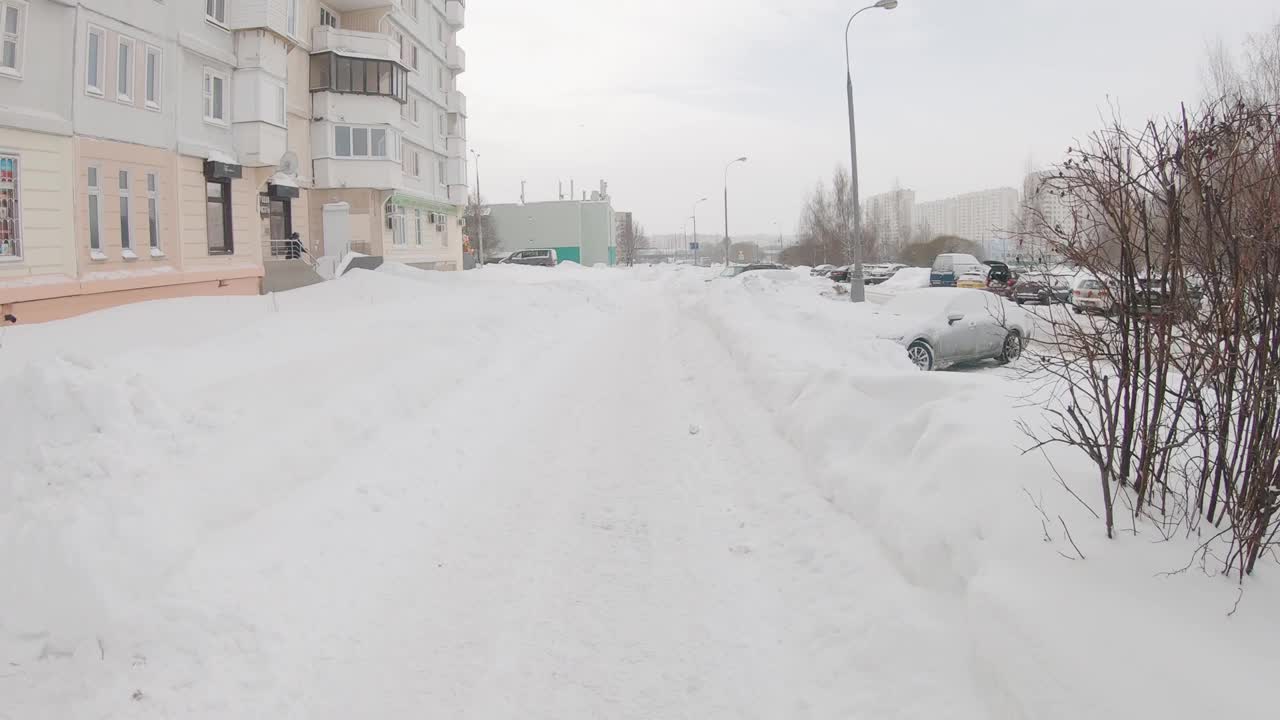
(575, 493)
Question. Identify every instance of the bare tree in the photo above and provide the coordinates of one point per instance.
(631, 239)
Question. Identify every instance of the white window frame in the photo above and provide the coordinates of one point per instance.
(282, 106)
(153, 93)
(126, 95)
(93, 177)
(16, 214)
(17, 37)
(417, 113)
(206, 88)
(327, 13)
(440, 77)
(124, 180)
(442, 120)
(413, 8)
(95, 85)
(391, 142)
(291, 17)
(212, 8)
(413, 55)
(153, 213)
(417, 226)
(442, 169)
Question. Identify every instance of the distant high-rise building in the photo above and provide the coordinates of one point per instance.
(890, 214)
(1044, 211)
(987, 217)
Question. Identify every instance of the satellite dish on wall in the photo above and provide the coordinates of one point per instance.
(288, 164)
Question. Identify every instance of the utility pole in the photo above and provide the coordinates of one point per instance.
(479, 215)
(857, 285)
(726, 207)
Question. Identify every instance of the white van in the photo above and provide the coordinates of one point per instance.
(947, 267)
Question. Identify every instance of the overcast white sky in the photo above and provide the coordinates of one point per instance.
(655, 96)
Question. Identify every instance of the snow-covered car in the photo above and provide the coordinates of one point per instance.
(1091, 295)
(972, 280)
(736, 270)
(876, 274)
(822, 270)
(944, 326)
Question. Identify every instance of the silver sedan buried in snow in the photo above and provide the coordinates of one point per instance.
(944, 326)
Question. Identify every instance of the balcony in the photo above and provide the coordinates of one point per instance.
(455, 14)
(351, 5)
(457, 59)
(327, 39)
(457, 103)
(381, 174)
(337, 72)
(456, 147)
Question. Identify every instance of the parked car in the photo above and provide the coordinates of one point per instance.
(876, 274)
(736, 270)
(943, 326)
(1156, 295)
(546, 258)
(1041, 288)
(822, 270)
(1092, 295)
(999, 272)
(948, 267)
(972, 281)
(841, 274)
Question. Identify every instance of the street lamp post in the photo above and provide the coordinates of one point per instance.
(726, 206)
(479, 215)
(695, 229)
(857, 286)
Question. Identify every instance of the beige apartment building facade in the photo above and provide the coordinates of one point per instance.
(178, 145)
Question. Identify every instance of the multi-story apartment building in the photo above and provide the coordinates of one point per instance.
(891, 214)
(1044, 213)
(987, 217)
(178, 143)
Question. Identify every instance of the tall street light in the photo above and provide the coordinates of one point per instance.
(695, 229)
(726, 206)
(857, 286)
(479, 215)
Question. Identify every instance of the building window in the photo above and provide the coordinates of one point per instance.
(10, 221)
(215, 97)
(440, 173)
(417, 226)
(154, 63)
(395, 222)
(440, 124)
(95, 212)
(216, 10)
(413, 8)
(328, 17)
(218, 217)
(124, 70)
(153, 212)
(12, 17)
(93, 61)
(281, 107)
(440, 31)
(413, 56)
(417, 116)
(331, 72)
(440, 77)
(126, 238)
(400, 44)
(415, 164)
(293, 17)
(363, 143)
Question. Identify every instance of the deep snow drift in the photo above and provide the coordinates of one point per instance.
(570, 493)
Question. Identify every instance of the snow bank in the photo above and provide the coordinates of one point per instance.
(930, 463)
(904, 280)
(134, 435)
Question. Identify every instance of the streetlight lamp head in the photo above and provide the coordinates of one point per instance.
(744, 157)
(887, 4)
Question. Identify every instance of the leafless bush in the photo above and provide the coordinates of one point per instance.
(1172, 393)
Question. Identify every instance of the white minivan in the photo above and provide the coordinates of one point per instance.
(949, 266)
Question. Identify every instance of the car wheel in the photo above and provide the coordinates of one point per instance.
(1012, 348)
(920, 355)
(1020, 302)
(1076, 309)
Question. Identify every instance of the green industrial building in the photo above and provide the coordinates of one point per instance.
(582, 231)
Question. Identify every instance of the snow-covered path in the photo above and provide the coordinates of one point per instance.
(590, 502)
(635, 542)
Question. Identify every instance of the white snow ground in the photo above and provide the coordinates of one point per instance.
(522, 493)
